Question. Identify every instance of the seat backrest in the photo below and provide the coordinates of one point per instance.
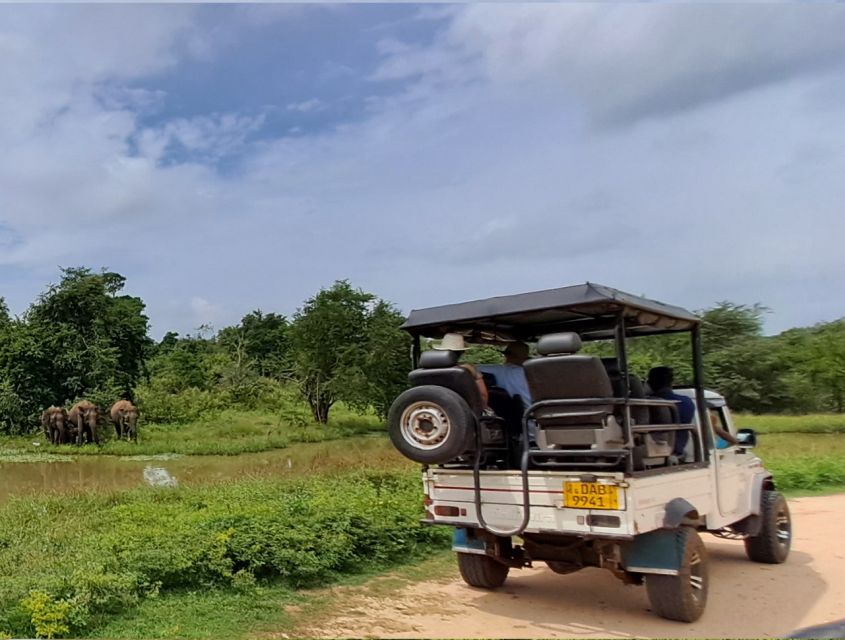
(560, 373)
(439, 368)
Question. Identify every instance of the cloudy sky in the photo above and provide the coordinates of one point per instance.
(227, 158)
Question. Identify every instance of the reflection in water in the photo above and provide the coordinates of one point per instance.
(113, 472)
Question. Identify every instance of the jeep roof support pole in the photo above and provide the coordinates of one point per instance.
(702, 440)
(416, 350)
(622, 357)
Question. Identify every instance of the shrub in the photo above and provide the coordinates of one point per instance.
(69, 565)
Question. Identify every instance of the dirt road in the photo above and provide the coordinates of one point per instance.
(746, 599)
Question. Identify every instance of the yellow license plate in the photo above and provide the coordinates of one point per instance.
(590, 495)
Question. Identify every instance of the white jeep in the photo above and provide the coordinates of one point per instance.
(590, 472)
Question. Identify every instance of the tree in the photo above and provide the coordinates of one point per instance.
(824, 363)
(727, 323)
(387, 357)
(91, 337)
(261, 337)
(346, 345)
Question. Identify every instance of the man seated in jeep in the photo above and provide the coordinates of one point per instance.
(511, 376)
(660, 382)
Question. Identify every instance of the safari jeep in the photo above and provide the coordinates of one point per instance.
(583, 475)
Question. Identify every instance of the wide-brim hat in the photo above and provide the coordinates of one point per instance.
(451, 342)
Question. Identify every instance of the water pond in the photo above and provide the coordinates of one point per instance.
(33, 474)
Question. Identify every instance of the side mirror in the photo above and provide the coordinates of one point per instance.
(746, 438)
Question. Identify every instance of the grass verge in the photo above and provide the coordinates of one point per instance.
(804, 462)
(810, 423)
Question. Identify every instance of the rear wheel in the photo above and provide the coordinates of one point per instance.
(431, 424)
(684, 596)
(771, 545)
(482, 571)
(563, 567)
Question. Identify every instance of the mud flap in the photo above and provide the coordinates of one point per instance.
(658, 551)
(463, 542)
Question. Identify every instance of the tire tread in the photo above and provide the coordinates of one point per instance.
(765, 546)
(482, 571)
(665, 593)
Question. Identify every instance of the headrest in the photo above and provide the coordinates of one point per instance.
(611, 365)
(558, 343)
(435, 359)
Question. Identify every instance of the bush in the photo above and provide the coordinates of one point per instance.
(68, 566)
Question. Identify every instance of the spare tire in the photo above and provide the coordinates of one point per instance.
(431, 424)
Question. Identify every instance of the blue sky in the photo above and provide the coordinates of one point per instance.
(226, 158)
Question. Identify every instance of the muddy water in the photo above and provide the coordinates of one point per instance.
(114, 472)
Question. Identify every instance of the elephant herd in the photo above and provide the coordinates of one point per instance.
(80, 423)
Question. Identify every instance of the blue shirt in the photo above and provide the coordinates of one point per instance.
(511, 378)
(686, 407)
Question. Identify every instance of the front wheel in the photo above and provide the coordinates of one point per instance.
(684, 596)
(771, 545)
(482, 571)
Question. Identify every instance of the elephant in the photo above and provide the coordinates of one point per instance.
(83, 418)
(124, 415)
(54, 421)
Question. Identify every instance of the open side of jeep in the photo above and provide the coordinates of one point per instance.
(584, 474)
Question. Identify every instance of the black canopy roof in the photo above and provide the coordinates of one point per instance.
(590, 309)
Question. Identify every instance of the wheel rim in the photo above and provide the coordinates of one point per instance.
(783, 527)
(696, 577)
(425, 425)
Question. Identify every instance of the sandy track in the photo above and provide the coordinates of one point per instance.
(746, 599)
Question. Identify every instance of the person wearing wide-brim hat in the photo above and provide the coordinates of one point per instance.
(451, 342)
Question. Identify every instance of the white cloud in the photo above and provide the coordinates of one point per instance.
(627, 61)
(478, 179)
(306, 106)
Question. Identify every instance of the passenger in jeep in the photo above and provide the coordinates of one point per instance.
(660, 382)
(510, 376)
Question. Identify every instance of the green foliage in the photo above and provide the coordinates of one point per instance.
(346, 345)
(262, 339)
(80, 337)
(131, 546)
(50, 618)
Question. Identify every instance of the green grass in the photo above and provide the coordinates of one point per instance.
(75, 565)
(802, 461)
(215, 613)
(229, 433)
(268, 609)
(810, 423)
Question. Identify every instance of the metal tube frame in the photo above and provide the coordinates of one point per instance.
(701, 448)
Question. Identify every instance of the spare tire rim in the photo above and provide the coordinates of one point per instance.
(425, 425)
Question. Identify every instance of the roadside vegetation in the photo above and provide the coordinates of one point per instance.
(133, 546)
(808, 423)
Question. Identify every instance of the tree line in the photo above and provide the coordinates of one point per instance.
(84, 338)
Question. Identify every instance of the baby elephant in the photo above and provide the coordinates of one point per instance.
(124, 414)
(83, 417)
(54, 423)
